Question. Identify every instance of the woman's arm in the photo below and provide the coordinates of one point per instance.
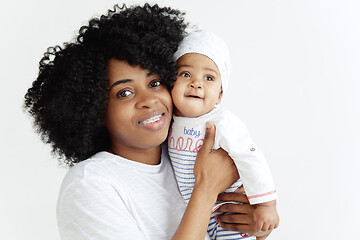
(214, 172)
(239, 217)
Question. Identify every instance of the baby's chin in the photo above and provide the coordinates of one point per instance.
(191, 112)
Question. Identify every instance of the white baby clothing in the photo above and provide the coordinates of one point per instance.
(185, 139)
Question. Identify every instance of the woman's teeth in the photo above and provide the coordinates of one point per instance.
(151, 120)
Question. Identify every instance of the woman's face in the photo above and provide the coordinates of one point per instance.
(139, 110)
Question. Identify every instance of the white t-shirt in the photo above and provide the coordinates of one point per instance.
(109, 197)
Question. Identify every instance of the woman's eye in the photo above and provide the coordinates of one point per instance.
(185, 75)
(209, 78)
(124, 93)
(155, 83)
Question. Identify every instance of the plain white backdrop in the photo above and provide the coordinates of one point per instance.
(295, 83)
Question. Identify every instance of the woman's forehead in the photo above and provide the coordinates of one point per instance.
(120, 69)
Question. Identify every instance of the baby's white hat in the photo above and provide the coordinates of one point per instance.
(210, 45)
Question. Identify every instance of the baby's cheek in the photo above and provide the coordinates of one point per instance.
(176, 92)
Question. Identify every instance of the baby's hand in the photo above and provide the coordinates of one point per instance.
(266, 216)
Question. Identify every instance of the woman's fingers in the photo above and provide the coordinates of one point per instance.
(240, 190)
(245, 228)
(235, 208)
(233, 218)
(214, 170)
(238, 227)
(239, 217)
(209, 138)
(234, 197)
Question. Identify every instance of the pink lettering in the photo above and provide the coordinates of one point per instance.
(179, 144)
(198, 144)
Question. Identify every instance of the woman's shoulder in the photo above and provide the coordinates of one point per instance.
(105, 168)
(92, 171)
(89, 167)
(111, 175)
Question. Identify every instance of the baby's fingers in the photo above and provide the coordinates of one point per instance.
(259, 225)
(276, 225)
(265, 227)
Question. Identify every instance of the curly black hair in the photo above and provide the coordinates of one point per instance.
(68, 99)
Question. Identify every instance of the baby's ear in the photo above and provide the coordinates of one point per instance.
(220, 96)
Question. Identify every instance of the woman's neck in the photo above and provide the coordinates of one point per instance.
(150, 156)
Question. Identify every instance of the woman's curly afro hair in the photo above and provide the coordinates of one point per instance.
(68, 99)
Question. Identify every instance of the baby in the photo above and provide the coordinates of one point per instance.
(203, 65)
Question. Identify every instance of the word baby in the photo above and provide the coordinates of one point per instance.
(191, 132)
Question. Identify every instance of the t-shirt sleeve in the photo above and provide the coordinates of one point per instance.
(233, 136)
(92, 209)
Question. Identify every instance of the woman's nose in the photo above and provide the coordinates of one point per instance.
(147, 100)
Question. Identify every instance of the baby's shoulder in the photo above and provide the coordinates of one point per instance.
(224, 118)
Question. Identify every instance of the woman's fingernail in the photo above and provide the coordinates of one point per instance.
(208, 125)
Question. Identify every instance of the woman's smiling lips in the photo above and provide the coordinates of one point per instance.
(153, 121)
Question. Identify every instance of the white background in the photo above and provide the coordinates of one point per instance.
(295, 83)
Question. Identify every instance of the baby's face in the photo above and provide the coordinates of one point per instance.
(197, 88)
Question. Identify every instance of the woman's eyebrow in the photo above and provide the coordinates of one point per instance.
(120, 82)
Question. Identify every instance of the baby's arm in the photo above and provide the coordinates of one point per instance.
(234, 138)
(266, 216)
(254, 172)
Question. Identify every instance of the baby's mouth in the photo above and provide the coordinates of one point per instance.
(193, 96)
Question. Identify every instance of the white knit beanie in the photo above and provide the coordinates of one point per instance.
(210, 45)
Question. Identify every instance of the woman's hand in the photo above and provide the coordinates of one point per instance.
(214, 172)
(240, 217)
(214, 169)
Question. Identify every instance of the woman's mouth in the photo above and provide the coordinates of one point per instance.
(153, 123)
(152, 119)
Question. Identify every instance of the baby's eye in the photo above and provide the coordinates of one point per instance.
(185, 75)
(124, 93)
(209, 78)
(155, 83)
